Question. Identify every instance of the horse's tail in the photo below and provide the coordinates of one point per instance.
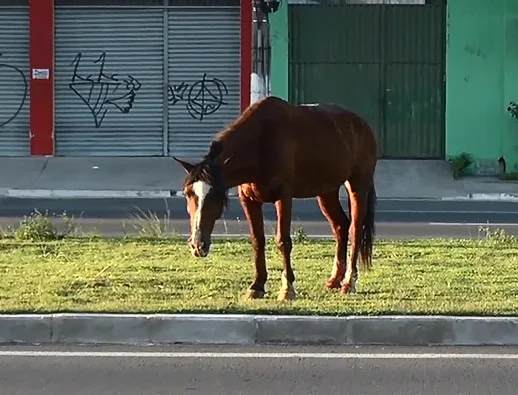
(368, 230)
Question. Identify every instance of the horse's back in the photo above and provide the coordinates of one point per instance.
(332, 144)
(335, 127)
(326, 126)
(316, 148)
(339, 115)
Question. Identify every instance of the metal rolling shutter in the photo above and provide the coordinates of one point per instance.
(14, 81)
(104, 119)
(204, 71)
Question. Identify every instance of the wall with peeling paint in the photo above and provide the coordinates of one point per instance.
(482, 77)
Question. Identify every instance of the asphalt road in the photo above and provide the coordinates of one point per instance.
(257, 370)
(409, 210)
(395, 218)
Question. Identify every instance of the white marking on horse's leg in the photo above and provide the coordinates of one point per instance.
(352, 288)
(284, 282)
(350, 278)
(287, 291)
(356, 276)
(201, 189)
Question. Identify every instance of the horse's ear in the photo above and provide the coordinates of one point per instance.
(186, 165)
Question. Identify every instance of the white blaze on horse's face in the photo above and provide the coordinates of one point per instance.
(201, 190)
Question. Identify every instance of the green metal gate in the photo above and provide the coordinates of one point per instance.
(386, 62)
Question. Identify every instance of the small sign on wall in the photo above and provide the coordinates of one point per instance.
(40, 74)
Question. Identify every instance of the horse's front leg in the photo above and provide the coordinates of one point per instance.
(284, 207)
(254, 215)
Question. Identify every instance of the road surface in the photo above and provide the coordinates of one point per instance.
(395, 218)
(257, 370)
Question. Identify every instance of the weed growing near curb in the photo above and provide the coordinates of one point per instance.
(36, 227)
(499, 236)
(300, 236)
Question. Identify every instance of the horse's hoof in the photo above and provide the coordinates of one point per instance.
(348, 289)
(333, 283)
(286, 295)
(254, 294)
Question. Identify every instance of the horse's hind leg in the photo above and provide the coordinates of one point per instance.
(284, 243)
(335, 215)
(361, 198)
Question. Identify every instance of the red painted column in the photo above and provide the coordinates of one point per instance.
(42, 77)
(246, 52)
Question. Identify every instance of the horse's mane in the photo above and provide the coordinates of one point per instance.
(209, 171)
(244, 117)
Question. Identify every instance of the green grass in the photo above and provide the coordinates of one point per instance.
(159, 275)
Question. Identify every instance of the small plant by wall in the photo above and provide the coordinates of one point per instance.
(511, 176)
(513, 109)
(504, 175)
(460, 164)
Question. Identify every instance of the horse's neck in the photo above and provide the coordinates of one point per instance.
(241, 165)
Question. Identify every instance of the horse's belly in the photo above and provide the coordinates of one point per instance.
(258, 193)
(317, 178)
(309, 190)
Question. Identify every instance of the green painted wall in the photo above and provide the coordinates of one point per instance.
(482, 77)
(394, 80)
(279, 41)
(510, 41)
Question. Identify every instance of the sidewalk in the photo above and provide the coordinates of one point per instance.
(98, 177)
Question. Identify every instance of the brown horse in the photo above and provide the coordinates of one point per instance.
(275, 152)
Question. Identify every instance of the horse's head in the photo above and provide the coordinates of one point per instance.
(206, 195)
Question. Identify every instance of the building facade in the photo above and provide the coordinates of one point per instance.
(121, 77)
(434, 78)
(482, 79)
(385, 61)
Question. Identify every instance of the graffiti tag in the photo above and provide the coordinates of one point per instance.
(13, 73)
(102, 92)
(202, 98)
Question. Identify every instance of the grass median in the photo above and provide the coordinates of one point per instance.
(149, 275)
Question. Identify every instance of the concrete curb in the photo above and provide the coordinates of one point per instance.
(147, 329)
(163, 193)
(90, 193)
(507, 197)
(83, 193)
